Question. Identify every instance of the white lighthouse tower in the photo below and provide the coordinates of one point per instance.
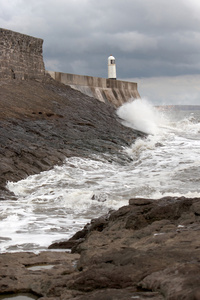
(111, 68)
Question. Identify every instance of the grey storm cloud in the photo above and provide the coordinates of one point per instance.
(149, 38)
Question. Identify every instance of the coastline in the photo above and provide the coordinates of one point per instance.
(148, 249)
(41, 123)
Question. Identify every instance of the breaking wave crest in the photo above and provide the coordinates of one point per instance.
(141, 115)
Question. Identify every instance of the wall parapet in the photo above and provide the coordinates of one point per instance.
(116, 92)
(20, 56)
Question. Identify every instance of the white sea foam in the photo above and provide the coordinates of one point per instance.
(141, 115)
(53, 205)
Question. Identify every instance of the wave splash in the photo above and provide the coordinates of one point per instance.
(55, 204)
(141, 115)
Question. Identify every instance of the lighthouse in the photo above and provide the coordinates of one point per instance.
(111, 68)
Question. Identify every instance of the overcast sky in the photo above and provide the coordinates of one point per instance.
(155, 42)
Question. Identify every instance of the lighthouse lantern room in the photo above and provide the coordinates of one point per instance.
(111, 68)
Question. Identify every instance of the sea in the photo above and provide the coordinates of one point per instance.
(53, 205)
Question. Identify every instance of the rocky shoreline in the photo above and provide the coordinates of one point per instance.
(41, 123)
(148, 249)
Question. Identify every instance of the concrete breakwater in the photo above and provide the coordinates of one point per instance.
(112, 91)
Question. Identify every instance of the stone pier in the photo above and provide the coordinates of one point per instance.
(116, 92)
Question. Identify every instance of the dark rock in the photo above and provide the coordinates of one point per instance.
(157, 257)
(197, 294)
(148, 249)
(122, 294)
(42, 123)
(136, 222)
(195, 208)
(64, 245)
(97, 224)
(155, 245)
(140, 201)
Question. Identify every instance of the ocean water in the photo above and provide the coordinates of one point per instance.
(53, 205)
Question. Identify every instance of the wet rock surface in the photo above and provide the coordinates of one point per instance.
(42, 123)
(149, 249)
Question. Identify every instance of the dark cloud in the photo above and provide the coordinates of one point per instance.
(147, 38)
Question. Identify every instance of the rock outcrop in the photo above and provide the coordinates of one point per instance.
(146, 250)
(41, 123)
(150, 248)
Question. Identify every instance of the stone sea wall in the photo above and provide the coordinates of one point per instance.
(20, 56)
(105, 90)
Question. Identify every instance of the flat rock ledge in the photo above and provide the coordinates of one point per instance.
(149, 249)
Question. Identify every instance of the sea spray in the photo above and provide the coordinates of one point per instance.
(53, 205)
(141, 115)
